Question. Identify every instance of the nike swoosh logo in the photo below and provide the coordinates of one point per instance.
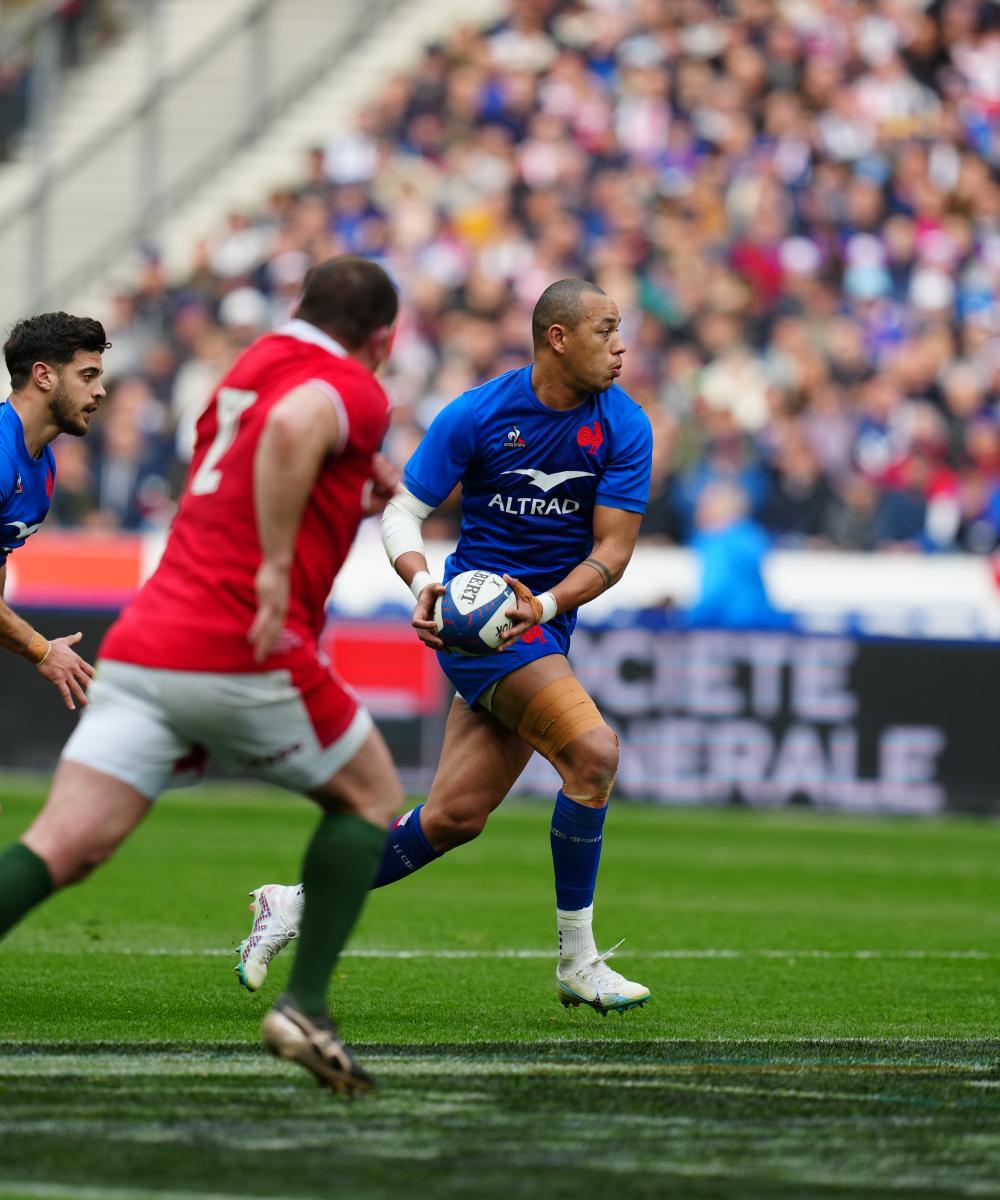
(547, 482)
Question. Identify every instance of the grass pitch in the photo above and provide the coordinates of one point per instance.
(825, 1016)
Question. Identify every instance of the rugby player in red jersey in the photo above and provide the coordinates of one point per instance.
(217, 657)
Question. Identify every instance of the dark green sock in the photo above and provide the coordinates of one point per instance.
(24, 882)
(339, 867)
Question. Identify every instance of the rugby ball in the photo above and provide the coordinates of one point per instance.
(471, 615)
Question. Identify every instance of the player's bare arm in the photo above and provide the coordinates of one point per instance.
(615, 533)
(53, 660)
(404, 545)
(301, 431)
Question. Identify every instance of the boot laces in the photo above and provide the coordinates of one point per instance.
(597, 970)
(270, 934)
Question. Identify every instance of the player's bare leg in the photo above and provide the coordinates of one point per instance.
(480, 762)
(86, 817)
(340, 862)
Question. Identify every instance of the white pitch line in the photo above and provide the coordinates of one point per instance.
(444, 953)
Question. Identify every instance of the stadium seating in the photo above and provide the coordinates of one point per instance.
(796, 208)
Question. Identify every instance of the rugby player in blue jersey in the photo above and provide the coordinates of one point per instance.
(554, 463)
(55, 367)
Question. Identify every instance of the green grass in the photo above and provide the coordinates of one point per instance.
(825, 1016)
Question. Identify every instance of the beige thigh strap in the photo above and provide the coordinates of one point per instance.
(560, 712)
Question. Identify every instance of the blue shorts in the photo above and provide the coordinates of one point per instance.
(471, 676)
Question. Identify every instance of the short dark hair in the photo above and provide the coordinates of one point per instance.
(52, 338)
(350, 297)
(559, 304)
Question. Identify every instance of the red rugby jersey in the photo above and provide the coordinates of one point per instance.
(195, 611)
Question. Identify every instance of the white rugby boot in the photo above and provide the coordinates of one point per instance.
(588, 979)
(277, 912)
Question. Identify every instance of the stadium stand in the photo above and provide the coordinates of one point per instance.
(796, 205)
(112, 148)
(82, 29)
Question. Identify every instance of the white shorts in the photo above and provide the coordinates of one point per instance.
(156, 729)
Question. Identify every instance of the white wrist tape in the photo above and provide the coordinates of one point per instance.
(549, 607)
(401, 522)
(419, 582)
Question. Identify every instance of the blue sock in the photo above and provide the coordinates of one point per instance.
(576, 851)
(406, 849)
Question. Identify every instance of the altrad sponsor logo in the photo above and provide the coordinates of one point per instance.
(533, 506)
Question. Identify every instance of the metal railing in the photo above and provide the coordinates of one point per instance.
(111, 193)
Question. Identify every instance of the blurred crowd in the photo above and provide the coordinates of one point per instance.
(82, 28)
(796, 204)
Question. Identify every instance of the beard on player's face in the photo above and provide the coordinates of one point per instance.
(67, 414)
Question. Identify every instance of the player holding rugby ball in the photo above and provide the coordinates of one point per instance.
(554, 462)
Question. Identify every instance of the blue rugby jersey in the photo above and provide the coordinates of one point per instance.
(25, 484)
(531, 475)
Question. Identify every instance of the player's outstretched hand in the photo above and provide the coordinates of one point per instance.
(272, 606)
(67, 670)
(526, 612)
(383, 484)
(423, 616)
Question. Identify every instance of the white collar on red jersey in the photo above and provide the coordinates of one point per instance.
(304, 331)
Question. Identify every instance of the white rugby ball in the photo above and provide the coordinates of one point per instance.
(471, 615)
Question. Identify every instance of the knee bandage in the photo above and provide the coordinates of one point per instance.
(560, 712)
